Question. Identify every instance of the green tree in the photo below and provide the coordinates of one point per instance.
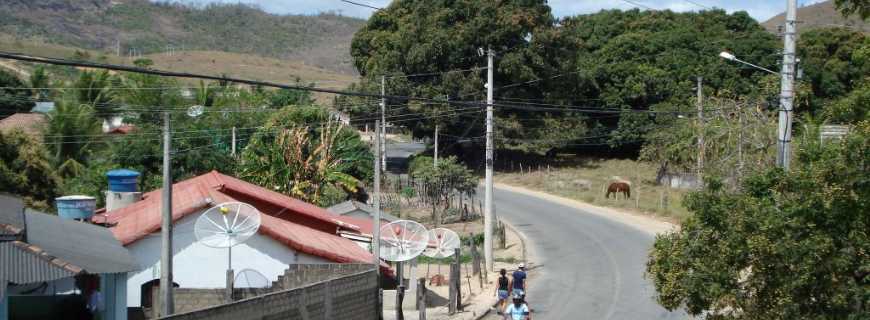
(789, 245)
(40, 83)
(835, 61)
(14, 97)
(301, 153)
(25, 169)
(94, 88)
(72, 130)
(852, 108)
(423, 37)
(849, 7)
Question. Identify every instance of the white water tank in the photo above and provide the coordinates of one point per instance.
(117, 200)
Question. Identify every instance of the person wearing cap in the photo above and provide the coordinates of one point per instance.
(519, 280)
(518, 310)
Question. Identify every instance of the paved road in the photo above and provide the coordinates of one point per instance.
(591, 267)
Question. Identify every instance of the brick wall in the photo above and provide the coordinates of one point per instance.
(343, 292)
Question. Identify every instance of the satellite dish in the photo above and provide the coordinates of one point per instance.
(444, 243)
(195, 111)
(227, 224)
(402, 240)
(250, 278)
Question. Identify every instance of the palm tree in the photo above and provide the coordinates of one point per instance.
(39, 81)
(95, 89)
(71, 130)
(297, 165)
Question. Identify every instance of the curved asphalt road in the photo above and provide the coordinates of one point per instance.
(590, 267)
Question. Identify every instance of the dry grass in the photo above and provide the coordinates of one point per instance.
(216, 63)
(646, 198)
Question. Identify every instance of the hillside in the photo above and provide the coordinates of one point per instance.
(151, 27)
(820, 15)
(247, 66)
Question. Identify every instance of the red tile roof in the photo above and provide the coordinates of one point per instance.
(125, 129)
(297, 224)
(30, 123)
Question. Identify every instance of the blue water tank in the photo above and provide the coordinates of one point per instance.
(76, 207)
(123, 180)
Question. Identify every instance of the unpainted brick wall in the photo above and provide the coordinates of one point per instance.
(352, 296)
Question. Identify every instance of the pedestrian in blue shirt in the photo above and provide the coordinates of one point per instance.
(519, 280)
(518, 310)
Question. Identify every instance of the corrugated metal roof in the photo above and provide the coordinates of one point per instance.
(22, 263)
(351, 205)
(88, 246)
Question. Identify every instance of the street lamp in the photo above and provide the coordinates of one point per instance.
(728, 56)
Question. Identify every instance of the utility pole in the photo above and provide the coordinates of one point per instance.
(383, 131)
(700, 131)
(435, 159)
(740, 142)
(783, 155)
(376, 223)
(234, 141)
(167, 302)
(489, 215)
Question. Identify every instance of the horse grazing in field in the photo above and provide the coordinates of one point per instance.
(616, 187)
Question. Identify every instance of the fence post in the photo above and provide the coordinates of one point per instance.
(451, 291)
(475, 257)
(458, 282)
(421, 297)
(400, 297)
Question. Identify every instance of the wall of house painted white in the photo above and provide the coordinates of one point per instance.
(199, 266)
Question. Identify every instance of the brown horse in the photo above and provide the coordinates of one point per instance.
(616, 187)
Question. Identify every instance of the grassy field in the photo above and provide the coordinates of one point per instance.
(586, 181)
(216, 63)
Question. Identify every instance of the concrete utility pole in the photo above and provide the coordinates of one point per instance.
(700, 130)
(435, 159)
(376, 223)
(167, 302)
(234, 141)
(783, 157)
(383, 132)
(489, 215)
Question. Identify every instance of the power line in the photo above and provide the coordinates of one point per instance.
(361, 4)
(699, 4)
(640, 5)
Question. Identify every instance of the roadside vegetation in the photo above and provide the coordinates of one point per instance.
(71, 154)
(586, 179)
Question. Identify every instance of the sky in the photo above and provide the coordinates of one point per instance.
(761, 10)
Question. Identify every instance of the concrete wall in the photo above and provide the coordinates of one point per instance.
(351, 297)
(202, 267)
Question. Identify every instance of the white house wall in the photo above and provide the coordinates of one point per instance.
(199, 266)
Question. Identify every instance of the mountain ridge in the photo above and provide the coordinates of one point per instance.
(819, 15)
(144, 27)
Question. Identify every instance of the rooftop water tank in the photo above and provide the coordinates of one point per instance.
(76, 207)
(123, 180)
